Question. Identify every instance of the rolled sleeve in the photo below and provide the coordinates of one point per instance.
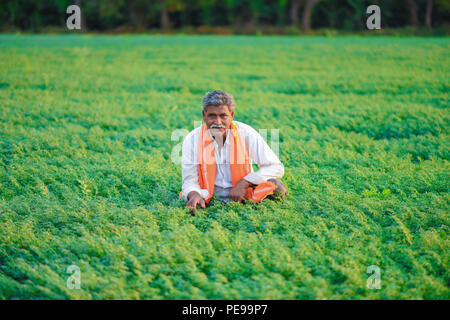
(254, 178)
(188, 189)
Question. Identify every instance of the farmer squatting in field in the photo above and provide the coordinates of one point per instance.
(217, 159)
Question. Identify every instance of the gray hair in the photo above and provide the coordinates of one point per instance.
(218, 98)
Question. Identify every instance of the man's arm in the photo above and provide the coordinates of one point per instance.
(269, 166)
(191, 191)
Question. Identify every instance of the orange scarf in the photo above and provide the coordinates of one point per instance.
(240, 165)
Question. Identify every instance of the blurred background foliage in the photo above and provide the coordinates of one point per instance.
(225, 16)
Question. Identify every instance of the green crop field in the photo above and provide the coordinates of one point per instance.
(88, 126)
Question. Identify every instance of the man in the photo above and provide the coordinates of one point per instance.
(217, 159)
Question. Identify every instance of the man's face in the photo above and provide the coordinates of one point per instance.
(218, 119)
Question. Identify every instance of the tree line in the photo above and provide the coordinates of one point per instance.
(104, 15)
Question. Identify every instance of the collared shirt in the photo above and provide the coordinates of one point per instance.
(269, 166)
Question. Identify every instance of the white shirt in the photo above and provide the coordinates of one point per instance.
(269, 166)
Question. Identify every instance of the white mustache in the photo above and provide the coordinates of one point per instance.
(220, 126)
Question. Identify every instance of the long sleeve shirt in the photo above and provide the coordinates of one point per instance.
(269, 166)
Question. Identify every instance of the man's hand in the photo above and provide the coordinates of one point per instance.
(237, 193)
(195, 199)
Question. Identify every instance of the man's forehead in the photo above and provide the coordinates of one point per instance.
(217, 109)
